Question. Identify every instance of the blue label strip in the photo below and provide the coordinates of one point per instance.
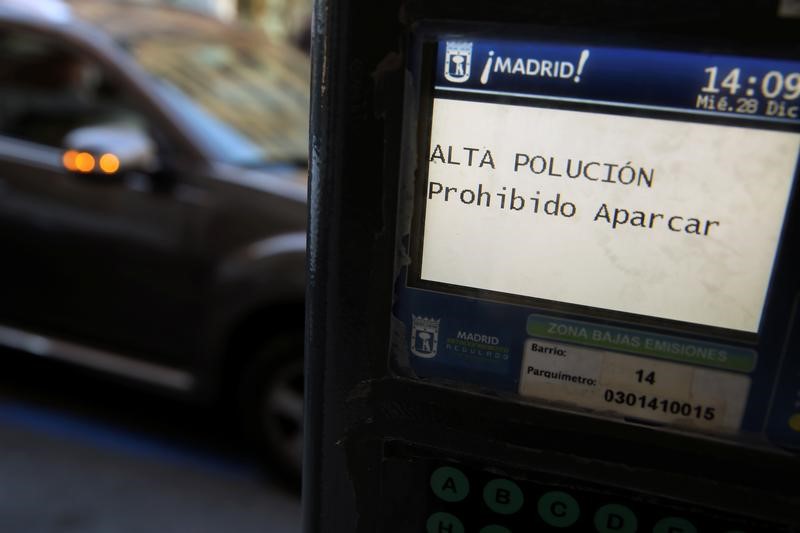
(748, 88)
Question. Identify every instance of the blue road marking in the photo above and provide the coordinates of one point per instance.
(101, 436)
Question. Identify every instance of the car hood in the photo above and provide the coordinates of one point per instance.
(289, 181)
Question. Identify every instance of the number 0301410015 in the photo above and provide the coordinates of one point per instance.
(654, 403)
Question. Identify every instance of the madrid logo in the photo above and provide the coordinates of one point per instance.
(424, 336)
(457, 61)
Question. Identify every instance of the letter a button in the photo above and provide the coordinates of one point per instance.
(449, 484)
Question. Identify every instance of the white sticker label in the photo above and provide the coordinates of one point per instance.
(636, 387)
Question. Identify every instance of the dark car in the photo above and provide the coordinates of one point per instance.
(153, 204)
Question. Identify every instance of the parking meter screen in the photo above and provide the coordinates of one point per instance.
(670, 217)
(647, 216)
(600, 227)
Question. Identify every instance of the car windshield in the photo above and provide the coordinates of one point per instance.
(246, 98)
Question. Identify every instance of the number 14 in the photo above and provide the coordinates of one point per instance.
(731, 81)
(648, 377)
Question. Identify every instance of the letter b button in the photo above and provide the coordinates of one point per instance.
(503, 496)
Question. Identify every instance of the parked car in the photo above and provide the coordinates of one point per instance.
(153, 171)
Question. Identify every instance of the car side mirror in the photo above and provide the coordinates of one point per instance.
(109, 150)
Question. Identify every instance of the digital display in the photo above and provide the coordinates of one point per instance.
(645, 182)
(605, 229)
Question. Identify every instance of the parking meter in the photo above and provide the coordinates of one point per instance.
(553, 267)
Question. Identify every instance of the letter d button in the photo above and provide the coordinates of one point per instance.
(614, 518)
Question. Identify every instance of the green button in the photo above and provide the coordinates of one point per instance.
(674, 525)
(503, 496)
(444, 523)
(614, 518)
(558, 509)
(449, 484)
(495, 529)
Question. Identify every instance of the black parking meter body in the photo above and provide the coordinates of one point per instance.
(553, 267)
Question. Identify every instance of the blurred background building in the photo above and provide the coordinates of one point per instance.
(284, 19)
(279, 19)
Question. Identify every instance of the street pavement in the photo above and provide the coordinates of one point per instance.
(79, 455)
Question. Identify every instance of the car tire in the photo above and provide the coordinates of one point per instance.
(271, 402)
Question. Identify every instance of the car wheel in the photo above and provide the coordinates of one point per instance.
(271, 396)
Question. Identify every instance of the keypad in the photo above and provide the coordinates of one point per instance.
(505, 501)
(456, 497)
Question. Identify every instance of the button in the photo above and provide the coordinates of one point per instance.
(503, 496)
(615, 518)
(495, 529)
(444, 523)
(674, 525)
(558, 509)
(449, 484)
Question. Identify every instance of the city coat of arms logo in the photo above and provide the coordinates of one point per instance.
(424, 336)
(457, 61)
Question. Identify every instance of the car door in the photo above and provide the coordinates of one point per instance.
(113, 263)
